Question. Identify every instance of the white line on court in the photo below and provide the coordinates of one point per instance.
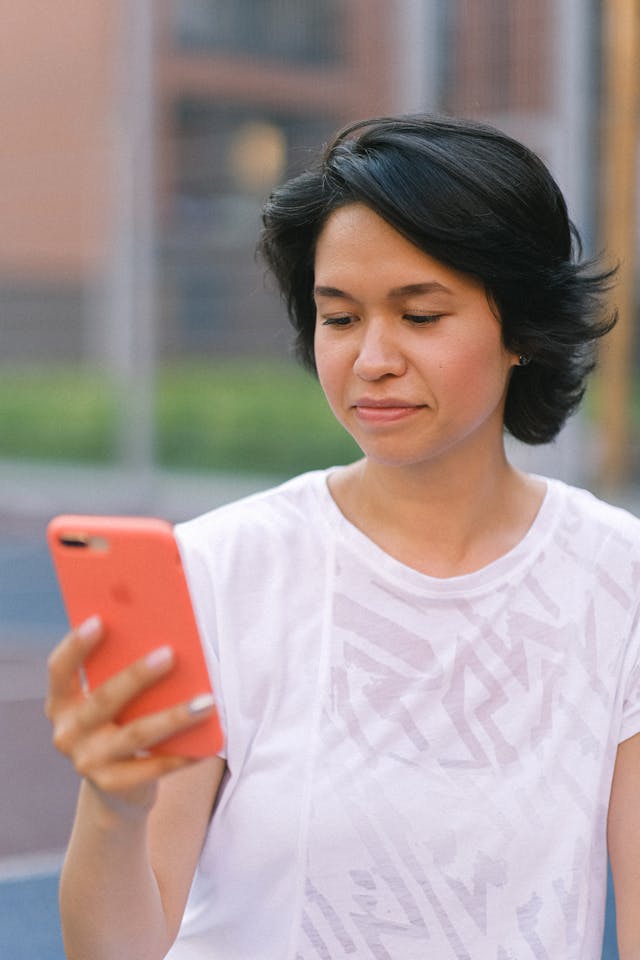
(28, 866)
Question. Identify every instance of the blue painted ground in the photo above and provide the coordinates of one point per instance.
(31, 610)
(29, 928)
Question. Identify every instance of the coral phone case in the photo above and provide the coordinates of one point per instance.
(128, 570)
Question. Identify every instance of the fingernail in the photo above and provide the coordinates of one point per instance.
(88, 628)
(159, 657)
(201, 703)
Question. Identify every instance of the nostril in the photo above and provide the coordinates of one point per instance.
(373, 363)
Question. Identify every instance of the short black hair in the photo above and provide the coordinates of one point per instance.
(481, 202)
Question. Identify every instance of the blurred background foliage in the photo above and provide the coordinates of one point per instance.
(241, 415)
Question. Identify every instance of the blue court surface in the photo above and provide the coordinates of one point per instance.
(29, 928)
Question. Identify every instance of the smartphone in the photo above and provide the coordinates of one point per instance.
(128, 570)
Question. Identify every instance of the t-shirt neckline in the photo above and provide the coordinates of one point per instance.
(491, 576)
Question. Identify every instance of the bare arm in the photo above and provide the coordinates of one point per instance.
(623, 835)
(133, 848)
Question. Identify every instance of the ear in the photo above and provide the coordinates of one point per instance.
(520, 358)
(514, 359)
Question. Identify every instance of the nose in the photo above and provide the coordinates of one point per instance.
(379, 352)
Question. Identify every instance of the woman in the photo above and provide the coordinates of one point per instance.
(426, 662)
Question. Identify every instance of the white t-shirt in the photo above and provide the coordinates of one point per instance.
(418, 767)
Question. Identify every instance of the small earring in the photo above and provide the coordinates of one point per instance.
(524, 360)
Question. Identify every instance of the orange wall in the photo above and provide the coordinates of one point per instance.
(58, 63)
(55, 80)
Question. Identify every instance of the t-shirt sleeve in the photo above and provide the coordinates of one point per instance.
(630, 724)
(202, 589)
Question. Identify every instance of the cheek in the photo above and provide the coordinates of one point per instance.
(475, 371)
(332, 359)
(330, 372)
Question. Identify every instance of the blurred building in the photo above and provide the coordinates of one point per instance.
(241, 93)
(56, 77)
(245, 90)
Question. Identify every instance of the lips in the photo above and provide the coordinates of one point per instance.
(387, 410)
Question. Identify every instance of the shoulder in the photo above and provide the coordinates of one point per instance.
(595, 527)
(260, 524)
(598, 513)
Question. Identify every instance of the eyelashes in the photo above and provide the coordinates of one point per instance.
(423, 317)
(337, 321)
(420, 319)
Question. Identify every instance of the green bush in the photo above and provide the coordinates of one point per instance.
(56, 413)
(254, 416)
(262, 417)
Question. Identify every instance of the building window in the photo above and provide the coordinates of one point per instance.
(226, 160)
(298, 31)
(499, 56)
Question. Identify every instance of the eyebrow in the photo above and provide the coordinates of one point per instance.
(409, 289)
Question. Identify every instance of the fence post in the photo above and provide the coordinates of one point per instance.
(619, 137)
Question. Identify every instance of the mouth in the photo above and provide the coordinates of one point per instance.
(385, 411)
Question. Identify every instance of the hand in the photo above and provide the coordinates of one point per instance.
(114, 758)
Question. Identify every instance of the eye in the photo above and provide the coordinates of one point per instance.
(422, 318)
(342, 321)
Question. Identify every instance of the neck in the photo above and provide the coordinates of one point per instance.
(442, 522)
(452, 505)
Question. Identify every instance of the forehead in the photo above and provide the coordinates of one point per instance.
(356, 221)
(356, 243)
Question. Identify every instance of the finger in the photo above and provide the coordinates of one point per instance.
(68, 657)
(134, 739)
(108, 700)
(126, 776)
(75, 722)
